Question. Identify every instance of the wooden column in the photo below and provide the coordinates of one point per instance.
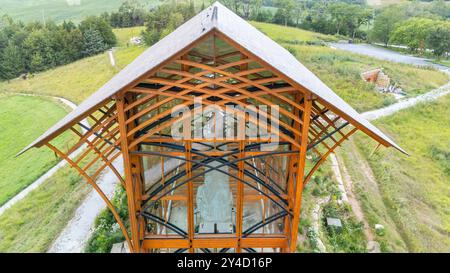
(129, 185)
(190, 199)
(240, 196)
(292, 168)
(300, 172)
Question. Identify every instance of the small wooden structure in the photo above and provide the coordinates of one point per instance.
(377, 77)
(224, 61)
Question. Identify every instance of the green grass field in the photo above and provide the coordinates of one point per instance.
(60, 10)
(22, 119)
(412, 193)
(33, 223)
(124, 35)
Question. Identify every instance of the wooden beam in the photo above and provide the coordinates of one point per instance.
(129, 187)
(217, 241)
(300, 173)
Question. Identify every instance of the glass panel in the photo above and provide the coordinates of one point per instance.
(214, 198)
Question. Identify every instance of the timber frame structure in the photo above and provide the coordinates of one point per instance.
(220, 58)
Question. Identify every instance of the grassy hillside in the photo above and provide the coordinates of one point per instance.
(22, 119)
(411, 194)
(60, 10)
(34, 222)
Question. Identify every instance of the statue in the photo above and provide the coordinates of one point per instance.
(214, 197)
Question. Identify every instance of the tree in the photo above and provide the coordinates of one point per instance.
(413, 33)
(360, 16)
(11, 62)
(101, 26)
(93, 43)
(299, 8)
(385, 23)
(440, 8)
(234, 5)
(165, 18)
(340, 13)
(37, 62)
(255, 8)
(439, 39)
(285, 10)
(40, 49)
(67, 43)
(130, 13)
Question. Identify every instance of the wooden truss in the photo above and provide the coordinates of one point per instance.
(134, 126)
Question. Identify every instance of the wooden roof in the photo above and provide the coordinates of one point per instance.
(237, 31)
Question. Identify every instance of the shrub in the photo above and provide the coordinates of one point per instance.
(107, 231)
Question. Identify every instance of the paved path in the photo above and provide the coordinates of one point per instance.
(50, 172)
(386, 54)
(403, 104)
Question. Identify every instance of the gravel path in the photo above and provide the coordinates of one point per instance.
(403, 104)
(79, 229)
(50, 172)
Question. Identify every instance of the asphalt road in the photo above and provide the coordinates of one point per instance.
(386, 54)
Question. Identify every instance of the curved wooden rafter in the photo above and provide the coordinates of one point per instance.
(98, 190)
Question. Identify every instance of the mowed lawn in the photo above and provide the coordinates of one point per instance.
(413, 195)
(22, 119)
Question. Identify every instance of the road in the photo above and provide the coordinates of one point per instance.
(386, 54)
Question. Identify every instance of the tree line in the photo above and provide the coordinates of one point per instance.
(34, 47)
(342, 17)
